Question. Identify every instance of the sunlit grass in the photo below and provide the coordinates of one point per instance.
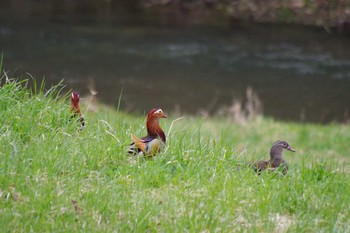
(56, 178)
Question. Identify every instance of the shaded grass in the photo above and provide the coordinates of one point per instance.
(200, 184)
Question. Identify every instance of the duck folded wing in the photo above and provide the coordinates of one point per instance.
(146, 145)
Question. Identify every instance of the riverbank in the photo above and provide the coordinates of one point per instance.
(332, 16)
(56, 178)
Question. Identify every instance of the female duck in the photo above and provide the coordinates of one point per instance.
(276, 158)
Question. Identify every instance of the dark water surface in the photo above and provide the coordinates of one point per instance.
(298, 73)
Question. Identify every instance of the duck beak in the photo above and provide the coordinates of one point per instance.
(164, 116)
(290, 149)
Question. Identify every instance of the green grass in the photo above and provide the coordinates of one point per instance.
(199, 184)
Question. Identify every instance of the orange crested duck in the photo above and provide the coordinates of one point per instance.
(276, 158)
(155, 139)
(75, 109)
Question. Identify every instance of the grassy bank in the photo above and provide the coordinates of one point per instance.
(58, 179)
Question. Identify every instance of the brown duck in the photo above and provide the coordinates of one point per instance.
(75, 110)
(155, 139)
(276, 158)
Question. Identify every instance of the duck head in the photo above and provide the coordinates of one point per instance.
(278, 147)
(156, 113)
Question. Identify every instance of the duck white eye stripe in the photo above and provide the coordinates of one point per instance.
(158, 111)
(274, 144)
(278, 143)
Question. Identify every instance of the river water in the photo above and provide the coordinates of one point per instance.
(299, 74)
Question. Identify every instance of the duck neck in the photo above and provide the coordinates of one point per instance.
(75, 108)
(276, 153)
(154, 130)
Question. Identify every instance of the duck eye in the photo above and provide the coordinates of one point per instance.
(158, 111)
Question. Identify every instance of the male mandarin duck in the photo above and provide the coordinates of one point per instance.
(276, 158)
(75, 109)
(155, 139)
